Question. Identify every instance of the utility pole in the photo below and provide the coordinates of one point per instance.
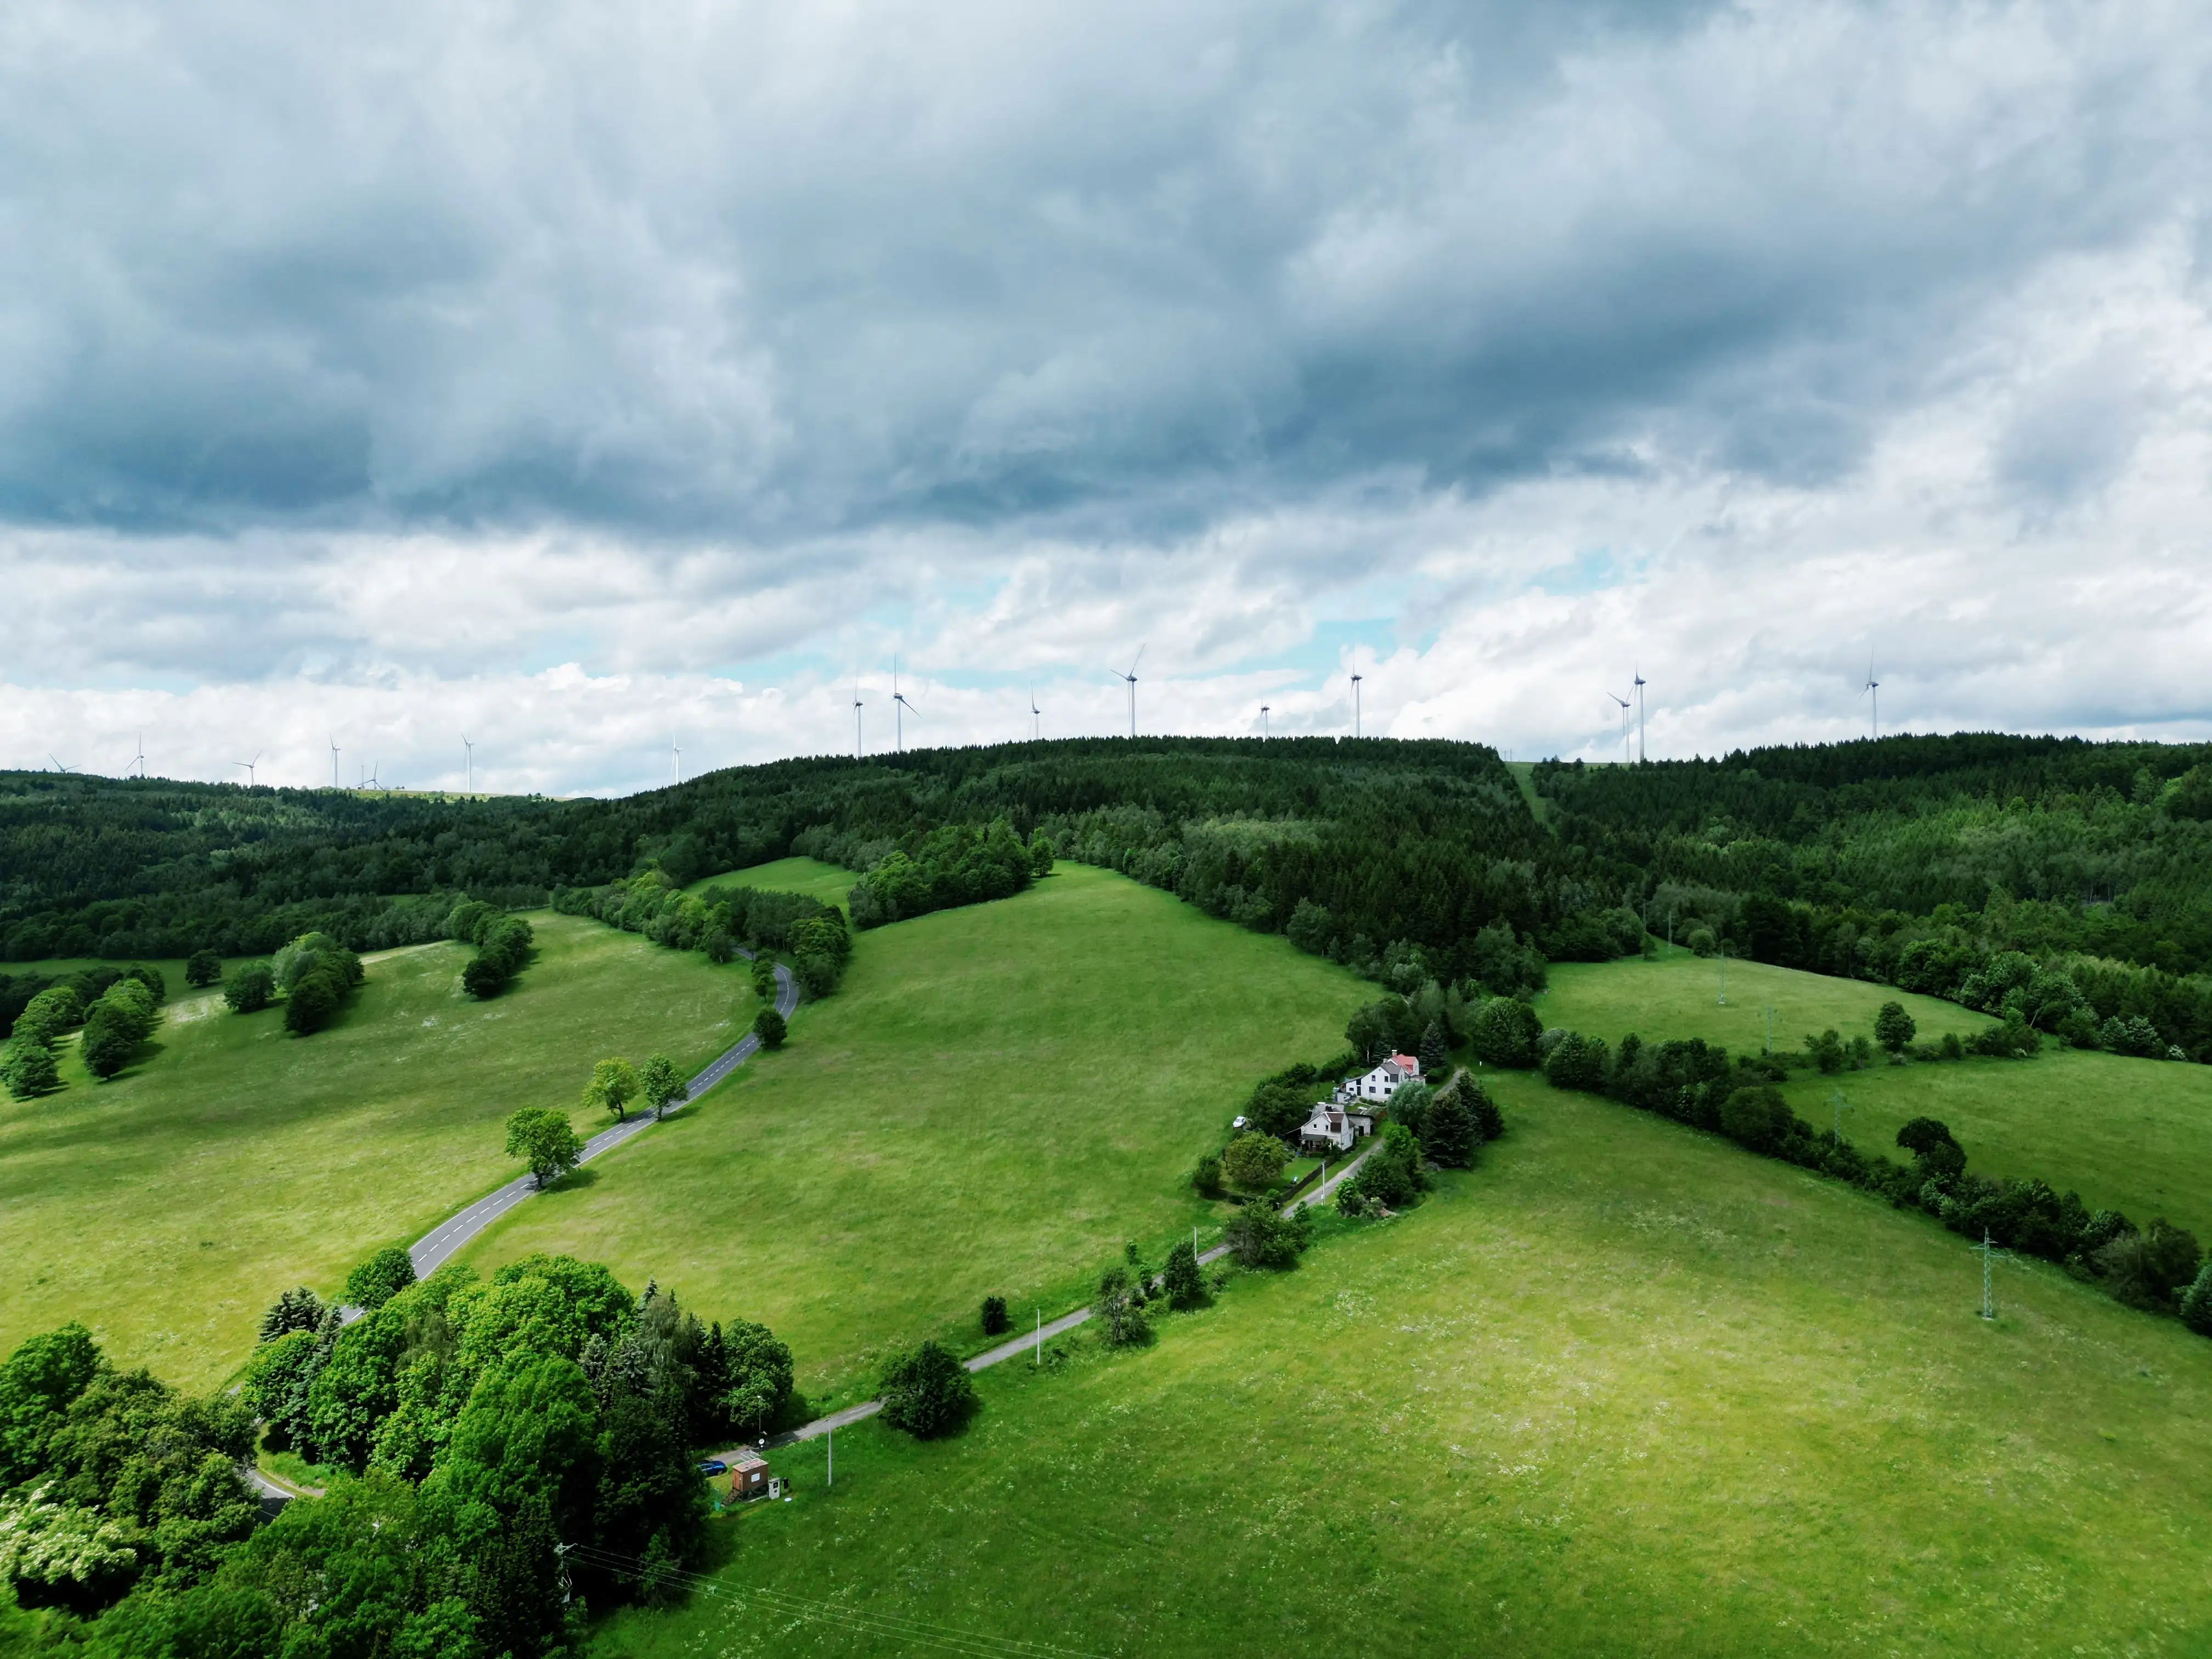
(1840, 1105)
(1769, 1048)
(832, 1480)
(1040, 1347)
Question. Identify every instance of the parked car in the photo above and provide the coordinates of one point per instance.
(713, 1466)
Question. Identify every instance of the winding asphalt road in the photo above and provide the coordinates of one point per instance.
(435, 1247)
(1029, 1341)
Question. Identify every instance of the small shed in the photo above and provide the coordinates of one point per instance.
(749, 1475)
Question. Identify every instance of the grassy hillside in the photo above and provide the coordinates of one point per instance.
(167, 1208)
(826, 881)
(2134, 1134)
(1679, 996)
(1623, 1390)
(996, 1098)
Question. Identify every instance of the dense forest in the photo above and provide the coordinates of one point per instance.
(2061, 882)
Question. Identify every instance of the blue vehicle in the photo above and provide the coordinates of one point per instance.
(714, 1466)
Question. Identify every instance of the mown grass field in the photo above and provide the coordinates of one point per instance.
(828, 882)
(2134, 1134)
(167, 1208)
(1623, 1390)
(995, 1101)
(1679, 996)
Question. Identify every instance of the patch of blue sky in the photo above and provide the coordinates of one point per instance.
(1590, 571)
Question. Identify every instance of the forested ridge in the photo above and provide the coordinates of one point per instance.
(1962, 865)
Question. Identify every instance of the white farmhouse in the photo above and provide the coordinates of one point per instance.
(1382, 1082)
(1334, 1126)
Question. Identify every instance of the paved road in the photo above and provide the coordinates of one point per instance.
(1029, 1341)
(436, 1247)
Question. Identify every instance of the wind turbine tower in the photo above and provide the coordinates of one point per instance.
(1356, 679)
(1037, 715)
(1131, 676)
(901, 708)
(676, 749)
(1638, 689)
(250, 778)
(856, 718)
(472, 751)
(1624, 703)
(334, 784)
(1264, 733)
(1872, 692)
(139, 760)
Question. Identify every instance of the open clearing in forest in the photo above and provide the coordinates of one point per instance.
(167, 1208)
(1624, 1389)
(997, 1098)
(828, 882)
(1679, 996)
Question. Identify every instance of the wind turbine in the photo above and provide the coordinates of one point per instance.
(58, 767)
(1263, 720)
(1356, 679)
(1624, 703)
(856, 717)
(472, 749)
(1638, 689)
(334, 784)
(139, 760)
(902, 708)
(676, 749)
(1037, 715)
(1872, 691)
(250, 779)
(1132, 677)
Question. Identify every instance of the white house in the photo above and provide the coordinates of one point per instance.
(1333, 1126)
(1382, 1082)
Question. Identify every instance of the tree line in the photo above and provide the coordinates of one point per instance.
(1406, 862)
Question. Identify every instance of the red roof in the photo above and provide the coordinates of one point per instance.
(1407, 1063)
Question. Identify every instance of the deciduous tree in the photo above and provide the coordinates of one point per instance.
(544, 1140)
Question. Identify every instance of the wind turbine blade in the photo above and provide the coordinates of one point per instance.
(1140, 658)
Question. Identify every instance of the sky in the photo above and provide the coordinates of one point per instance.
(630, 389)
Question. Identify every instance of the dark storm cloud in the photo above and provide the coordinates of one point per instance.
(779, 274)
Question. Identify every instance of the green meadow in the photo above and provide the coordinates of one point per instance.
(167, 1208)
(1622, 1390)
(827, 881)
(1679, 995)
(2132, 1134)
(996, 1098)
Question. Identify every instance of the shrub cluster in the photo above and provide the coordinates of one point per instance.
(957, 864)
(117, 1008)
(1696, 1083)
(503, 944)
(722, 920)
(316, 974)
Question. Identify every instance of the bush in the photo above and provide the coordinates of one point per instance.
(927, 1392)
(1253, 1160)
(300, 1310)
(382, 1277)
(769, 1027)
(1757, 1118)
(1181, 1281)
(205, 969)
(996, 1322)
(1391, 1173)
(1576, 1061)
(107, 1048)
(250, 988)
(1256, 1237)
(28, 1067)
(482, 978)
(1206, 1178)
(1121, 1308)
(1505, 1033)
(2196, 1302)
(312, 1003)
